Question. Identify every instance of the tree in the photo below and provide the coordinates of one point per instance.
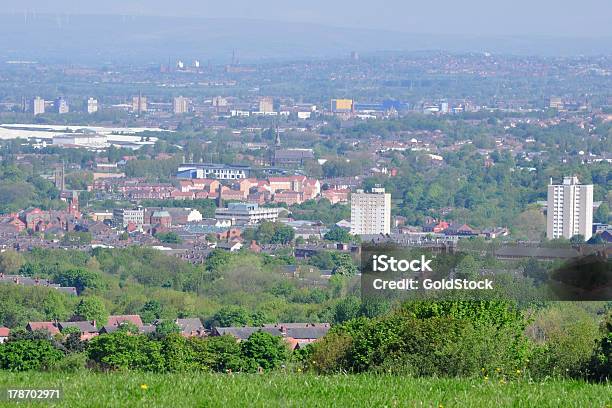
(283, 234)
(346, 309)
(80, 278)
(167, 327)
(169, 237)
(10, 262)
(338, 234)
(577, 239)
(530, 225)
(151, 311)
(265, 350)
(535, 270)
(602, 214)
(274, 233)
(231, 316)
(76, 238)
(92, 308)
(343, 264)
(467, 268)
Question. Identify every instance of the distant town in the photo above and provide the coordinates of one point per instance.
(296, 165)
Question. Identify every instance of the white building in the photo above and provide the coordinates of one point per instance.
(38, 106)
(123, 216)
(211, 170)
(570, 209)
(90, 141)
(371, 212)
(246, 213)
(92, 105)
(180, 105)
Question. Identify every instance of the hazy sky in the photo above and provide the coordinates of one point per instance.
(583, 18)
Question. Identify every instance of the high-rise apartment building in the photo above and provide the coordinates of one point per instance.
(61, 106)
(180, 105)
(266, 105)
(371, 212)
(570, 209)
(139, 104)
(38, 106)
(92, 105)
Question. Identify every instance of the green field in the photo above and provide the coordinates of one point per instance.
(268, 390)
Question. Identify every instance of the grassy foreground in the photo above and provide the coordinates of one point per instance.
(87, 389)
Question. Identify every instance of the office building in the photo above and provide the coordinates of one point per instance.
(371, 212)
(341, 105)
(266, 105)
(570, 209)
(219, 101)
(180, 105)
(38, 106)
(124, 216)
(92, 105)
(556, 103)
(61, 106)
(214, 171)
(85, 140)
(246, 213)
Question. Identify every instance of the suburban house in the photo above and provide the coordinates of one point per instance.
(4, 334)
(191, 327)
(48, 326)
(296, 334)
(87, 329)
(116, 320)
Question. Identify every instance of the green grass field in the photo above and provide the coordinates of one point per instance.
(86, 389)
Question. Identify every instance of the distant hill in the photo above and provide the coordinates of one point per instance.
(88, 38)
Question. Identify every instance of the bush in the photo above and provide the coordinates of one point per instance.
(121, 351)
(601, 362)
(219, 354)
(178, 356)
(564, 346)
(427, 339)
(330, 354)
(23, 355)
(265, 350)
(70, 363)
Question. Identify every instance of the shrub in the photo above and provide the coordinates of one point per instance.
(601, 361)
(23, 355)
(330, 354)
(220, 353)
(564, 346)
(121, 350)
(70, 363)
(425, 339)
(265, 350)
(178, 356)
